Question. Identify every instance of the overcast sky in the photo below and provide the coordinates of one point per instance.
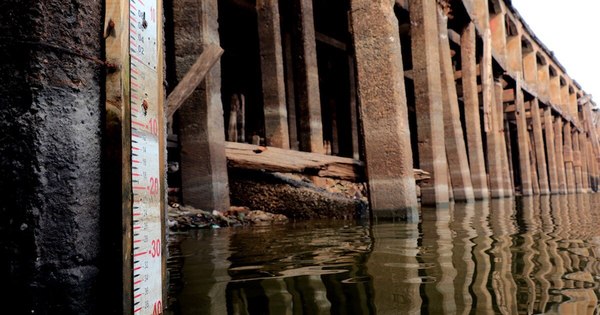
(572, 30)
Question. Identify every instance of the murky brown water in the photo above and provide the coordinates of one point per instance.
(527, 256)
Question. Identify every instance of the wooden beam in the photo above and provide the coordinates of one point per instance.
(272, 159)
(333, 42)
(192, 78)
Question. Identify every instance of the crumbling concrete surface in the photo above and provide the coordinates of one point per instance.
(50, 155)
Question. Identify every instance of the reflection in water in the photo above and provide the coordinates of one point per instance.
(531, 255)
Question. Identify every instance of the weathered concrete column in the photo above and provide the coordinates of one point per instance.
(550, 151)
(540, 154)
(504, 160)
(472, 120)
(577, 161)
(523, 139)
(428, 100)
(543, 79)
(490, 119)
(568, 158)
(271, 66)
(585, 167)
(203, 163)
(384, 113)
(52, 259)
(535, 184)
(560, 155)
(306, 78)
(456, 151)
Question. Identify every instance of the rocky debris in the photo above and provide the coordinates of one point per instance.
(184, 218)
(296, 196)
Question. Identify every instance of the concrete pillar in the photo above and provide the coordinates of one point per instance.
(573, 106)
(52, 258)
(543, 80)
(523, 139)
(568, 158)
(535, 184)
(560, 160)
(502, 144)
(456, 151)
(384, 113)
(490, 120)
(554, 91)
(472, 120)
(540, 154)
(428, 100)
(530, 73)
(307, 78)
(271, 66)
(550, 151)
(203, 164)
(585, 165)
(577, 163)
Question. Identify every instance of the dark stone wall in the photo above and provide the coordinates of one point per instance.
(50, 155)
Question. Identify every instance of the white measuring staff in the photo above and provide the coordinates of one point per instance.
(145, 157)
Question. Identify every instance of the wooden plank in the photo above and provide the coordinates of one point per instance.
(271, 159)
(118, 135)
(330, 41)
(192, 78)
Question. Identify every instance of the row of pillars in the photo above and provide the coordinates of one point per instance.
(466, 163)
(554, 156)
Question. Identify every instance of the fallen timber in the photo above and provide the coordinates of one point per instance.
(271, 159)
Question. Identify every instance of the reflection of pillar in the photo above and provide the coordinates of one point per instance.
(528, 249)
(556, 230)
(437, 236)
(206, 274)
(315, 295)
(397, 280)
(543, 258)
(503, 283)
(483, 243)
(463, 260)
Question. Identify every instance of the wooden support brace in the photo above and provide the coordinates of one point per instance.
(192, 79)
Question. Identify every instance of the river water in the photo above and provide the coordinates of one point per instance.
(523, 256)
